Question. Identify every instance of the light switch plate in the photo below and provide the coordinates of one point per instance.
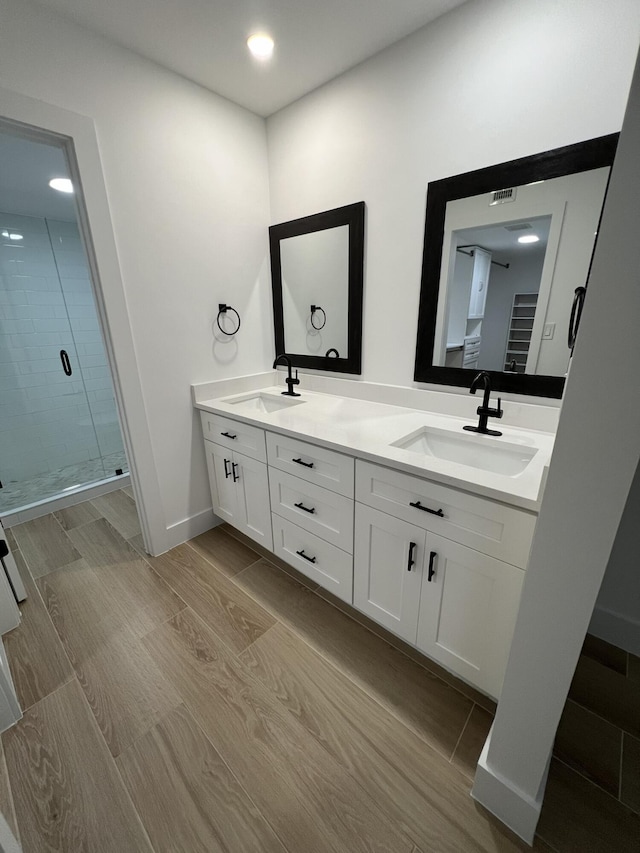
(549, 331)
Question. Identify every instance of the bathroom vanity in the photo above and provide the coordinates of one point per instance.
(397, 511)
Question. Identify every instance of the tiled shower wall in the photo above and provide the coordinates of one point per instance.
(49, 420)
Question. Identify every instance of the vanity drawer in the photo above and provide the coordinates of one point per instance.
(235, 435)
(495, 529)
(313, 508)
(323, 563)
(315, 464)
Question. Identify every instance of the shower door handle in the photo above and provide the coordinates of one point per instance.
(66, 364)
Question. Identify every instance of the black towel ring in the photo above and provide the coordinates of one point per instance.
(315, 308)
(222, 309)
(329, 351)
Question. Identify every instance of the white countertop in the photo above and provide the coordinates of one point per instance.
(367, 430)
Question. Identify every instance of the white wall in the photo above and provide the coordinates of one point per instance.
(594, 460)
(186, 176)
(489, 82)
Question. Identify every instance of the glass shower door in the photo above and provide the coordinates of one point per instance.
(48, 440)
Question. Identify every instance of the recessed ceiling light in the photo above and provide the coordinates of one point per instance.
(12, 235)
(261, 45)
(63, 185)
(528, 238)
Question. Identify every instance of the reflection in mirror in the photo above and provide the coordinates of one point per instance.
(501, 266)
(317, 279)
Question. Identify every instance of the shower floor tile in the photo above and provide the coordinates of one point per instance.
(14, 496)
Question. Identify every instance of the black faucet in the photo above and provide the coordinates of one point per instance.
(485, 411)
(289, 380)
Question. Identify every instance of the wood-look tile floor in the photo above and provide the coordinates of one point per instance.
(207, 700)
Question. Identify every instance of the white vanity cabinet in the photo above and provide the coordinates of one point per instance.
(440, 567)
(387, 576)
(240, 491)
(312, 511)
(468, 608)
(456, 603)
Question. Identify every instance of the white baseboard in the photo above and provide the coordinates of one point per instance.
(518, 811)
(190, 527)
(616, 628)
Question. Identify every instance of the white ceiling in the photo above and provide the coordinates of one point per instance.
(504, 243)
(205, 40)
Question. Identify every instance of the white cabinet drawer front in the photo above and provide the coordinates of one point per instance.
(313, 508)
(320, 561)
(501, 531)
(388, 569)
(235, 435)
(468, 611)
(326, 468)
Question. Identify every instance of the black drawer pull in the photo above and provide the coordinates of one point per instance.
(432, 571)
(305, 557)
(228, 435)
(305, 508)
(411, 561)
(234, 466)
(418, 505)
(227, 472)
(306, 464)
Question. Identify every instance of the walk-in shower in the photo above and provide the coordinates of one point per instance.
(59, 428)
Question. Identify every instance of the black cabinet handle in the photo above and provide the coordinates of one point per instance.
(305, 508)
(418, 505)
(432, 571)
(411, 561)
(66, 364)
(234, 466)
(304, 556)
(228, 435)
(227, 472)
(306, 464)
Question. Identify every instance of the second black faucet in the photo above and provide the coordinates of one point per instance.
(484, 411)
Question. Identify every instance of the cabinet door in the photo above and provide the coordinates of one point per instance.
(223, 489)
(388, 562)
(254, 508)
(467, 612)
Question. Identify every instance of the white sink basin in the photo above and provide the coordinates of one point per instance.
(263, 403)
(487, 453)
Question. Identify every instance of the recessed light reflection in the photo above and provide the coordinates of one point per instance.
(260, 45)
(12, 235)
(63, 185)
(528, 238)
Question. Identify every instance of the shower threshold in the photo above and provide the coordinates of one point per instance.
(30, 498)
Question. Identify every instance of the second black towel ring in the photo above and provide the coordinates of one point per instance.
(315, 308)
(222, 309)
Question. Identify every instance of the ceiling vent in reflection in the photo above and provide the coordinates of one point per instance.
(503, 196)
(518, 226)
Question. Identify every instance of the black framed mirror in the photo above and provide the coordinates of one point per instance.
(317, 275)
(505, 247)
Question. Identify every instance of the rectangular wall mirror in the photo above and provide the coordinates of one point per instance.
(505, 249)
(317, 280)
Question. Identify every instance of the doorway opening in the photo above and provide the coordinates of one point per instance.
(59, 426)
